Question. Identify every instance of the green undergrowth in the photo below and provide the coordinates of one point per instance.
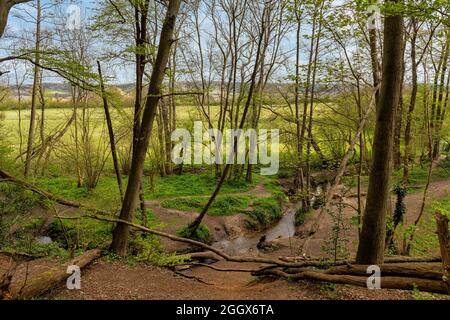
(222, 206)
(202, 234)
(425, 240)
(201, 184)
(418, 175)
(264, 213)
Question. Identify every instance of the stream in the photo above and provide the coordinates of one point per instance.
(283, 229)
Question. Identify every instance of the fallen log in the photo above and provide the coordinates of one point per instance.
(404, 259)
(41, 283)
(391, 259)
(399, 283)
(423, 270)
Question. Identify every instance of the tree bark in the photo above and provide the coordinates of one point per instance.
(44, 282)
(196, 223)
(412, 102)
(444, 244)
(120, 234)
(34, 93)
(112, 140)
(5, 7)
(373, 233)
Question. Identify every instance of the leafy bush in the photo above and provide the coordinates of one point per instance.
(265, 212)
(300, 217)
(84, 234)
(15, 203)
(148, 249)
(202, 234)
(28, 245)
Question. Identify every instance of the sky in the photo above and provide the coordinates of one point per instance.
(23, 18)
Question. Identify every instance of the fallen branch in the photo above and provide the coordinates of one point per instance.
(193, 242)
(203, 256)
(228, 269)
(181, 274)
(400, 283)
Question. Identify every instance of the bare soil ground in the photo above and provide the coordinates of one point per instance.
(119, 280)
(437, 190)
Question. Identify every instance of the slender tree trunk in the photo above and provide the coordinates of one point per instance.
(427, 186)
(196, 223)
(299, 181)
(141, 12)
(34, 93)
(374, 61)
(311, 110)
(412, 102)
(373, 233)
(112, 140)
(399, 118)
(121, 232)
(440, 103)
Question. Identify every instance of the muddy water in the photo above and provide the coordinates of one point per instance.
(283, 229)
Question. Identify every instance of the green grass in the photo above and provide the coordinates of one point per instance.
(83, 234)
(104, 196)
(200, 184)
(222, 206)
(425, 240)
(272, 184)
(418, 175)
(265, 212)
(202, 234)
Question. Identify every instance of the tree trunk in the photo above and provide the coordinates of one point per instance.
(399, 118)
(412, 103)
(196, 223)
(34, 92)
(44, 282)
(444, 244)
(120, 234)
(373, 233)
(5, 7)
(112, 140)
(375, 62)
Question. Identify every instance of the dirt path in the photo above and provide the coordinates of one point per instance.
(438, 190)
(221, 227)
(118, 281)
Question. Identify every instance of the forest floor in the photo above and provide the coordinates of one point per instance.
(117, 279)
